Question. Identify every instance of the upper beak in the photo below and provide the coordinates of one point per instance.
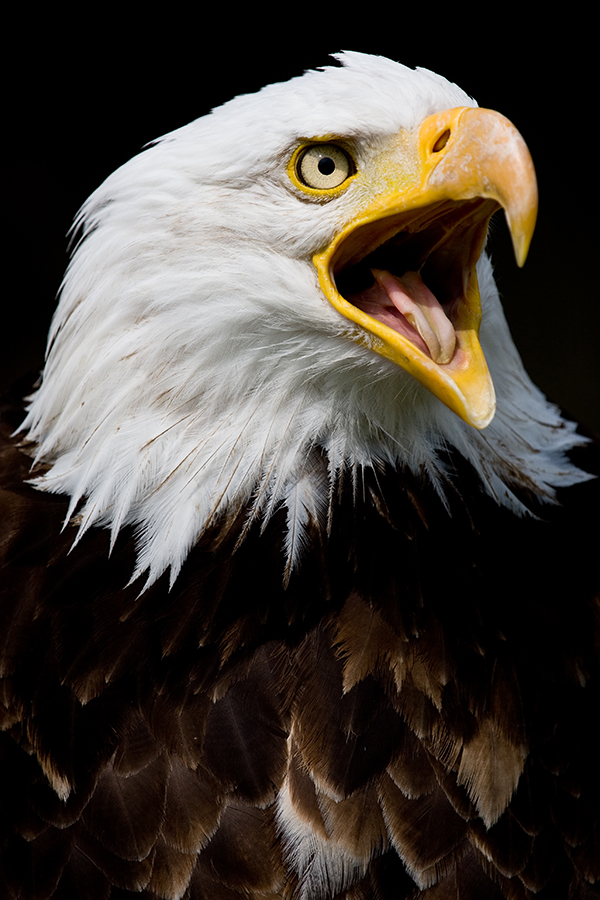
(471, 161)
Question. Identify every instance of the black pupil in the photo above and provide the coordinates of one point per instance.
(326, 165)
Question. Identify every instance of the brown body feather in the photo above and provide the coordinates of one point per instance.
(424, 693)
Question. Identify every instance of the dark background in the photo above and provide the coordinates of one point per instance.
(82, 99)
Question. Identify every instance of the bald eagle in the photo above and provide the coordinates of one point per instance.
(300, 588)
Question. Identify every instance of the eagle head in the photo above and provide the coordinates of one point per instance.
(300, 272)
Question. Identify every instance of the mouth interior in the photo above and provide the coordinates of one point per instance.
(415, 281)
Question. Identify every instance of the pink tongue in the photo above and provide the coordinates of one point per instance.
(422, 318)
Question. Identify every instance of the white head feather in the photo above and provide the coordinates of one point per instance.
(194, 361)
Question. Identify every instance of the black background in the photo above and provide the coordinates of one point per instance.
(82, 98)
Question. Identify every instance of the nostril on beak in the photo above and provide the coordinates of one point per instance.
(441, 141)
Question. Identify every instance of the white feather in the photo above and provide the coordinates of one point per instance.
(194, 362)
(324, 868)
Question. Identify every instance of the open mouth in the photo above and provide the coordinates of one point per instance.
(402, 270)
(411, 272)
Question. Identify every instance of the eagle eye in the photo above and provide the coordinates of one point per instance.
(324, 166)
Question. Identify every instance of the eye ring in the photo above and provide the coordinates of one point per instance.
(324, 167)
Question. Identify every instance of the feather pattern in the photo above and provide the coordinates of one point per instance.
(331, 732)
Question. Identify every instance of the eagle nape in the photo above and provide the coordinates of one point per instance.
(299, 588)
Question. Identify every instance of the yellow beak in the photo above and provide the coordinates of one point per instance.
(470, 162)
